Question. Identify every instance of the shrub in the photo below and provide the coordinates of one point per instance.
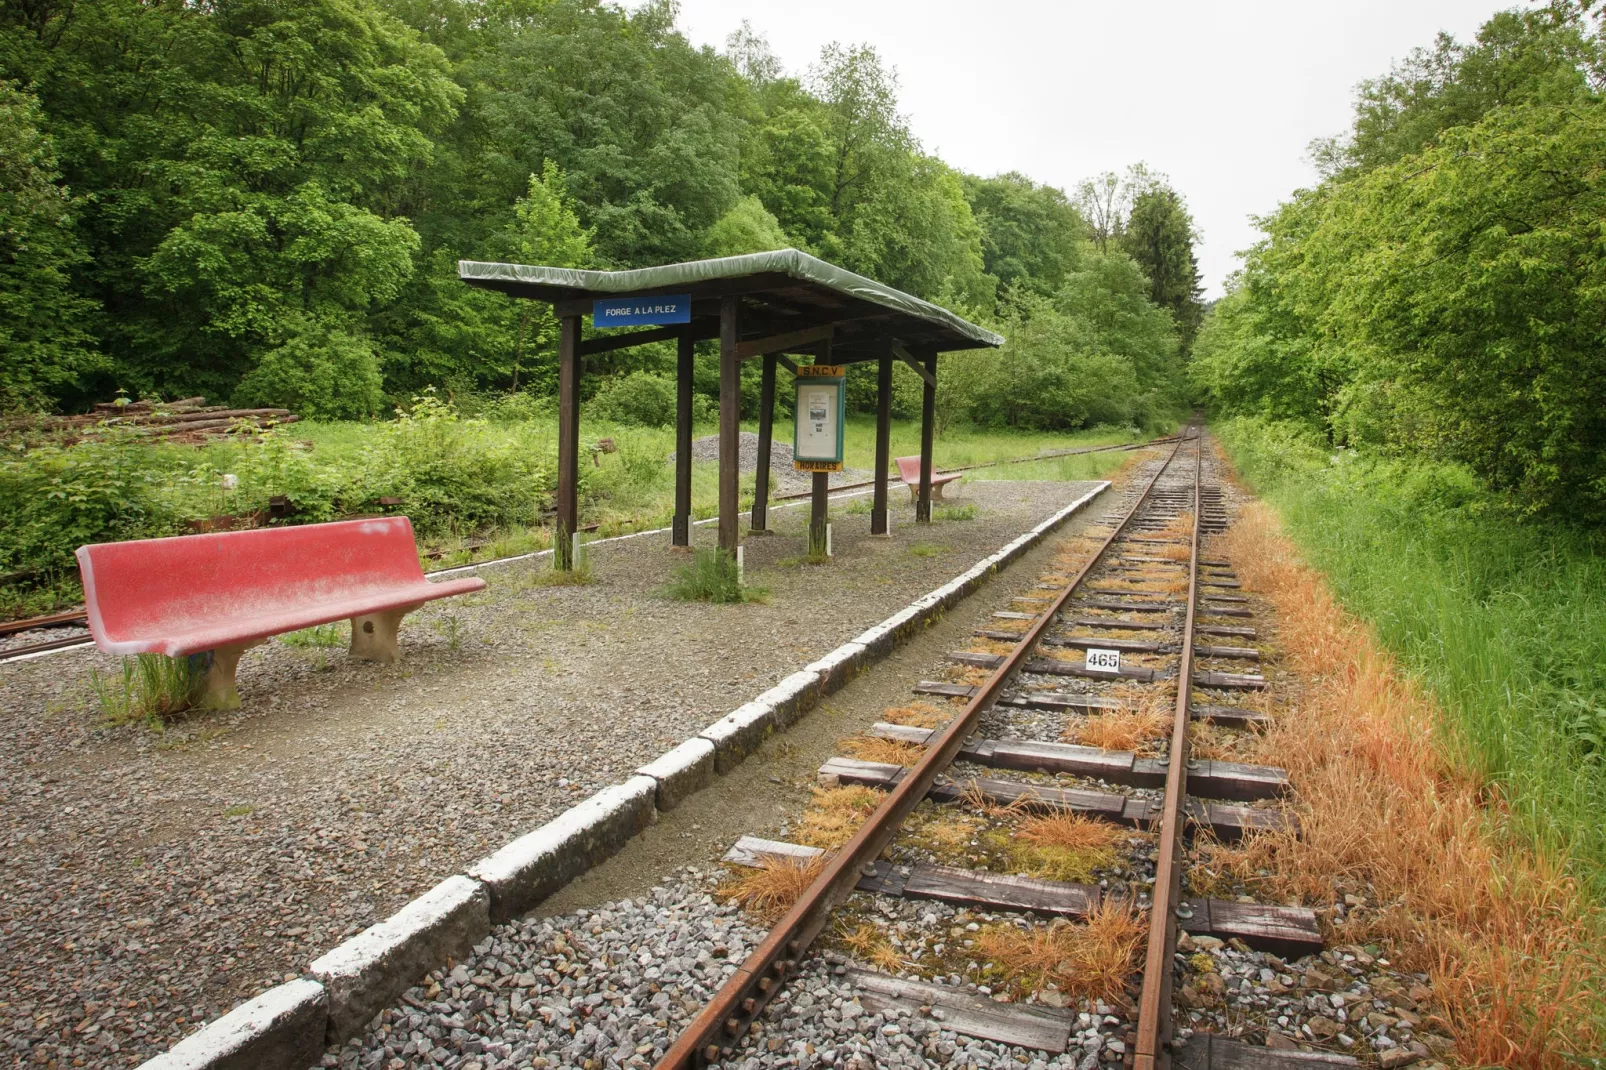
(644, 399)
(319, 372)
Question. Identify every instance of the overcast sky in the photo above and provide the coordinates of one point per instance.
(1222, 95)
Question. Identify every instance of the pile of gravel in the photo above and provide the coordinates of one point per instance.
(781, 470)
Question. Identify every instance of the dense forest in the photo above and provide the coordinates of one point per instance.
(265, 200)
(1441, 294)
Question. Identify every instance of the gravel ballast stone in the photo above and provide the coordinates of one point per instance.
(371, 969)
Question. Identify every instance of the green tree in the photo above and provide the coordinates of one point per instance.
(44, 343)
(1031, 234)
(747, 228)
(1159, 235)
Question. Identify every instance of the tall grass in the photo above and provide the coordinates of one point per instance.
(1504, 619)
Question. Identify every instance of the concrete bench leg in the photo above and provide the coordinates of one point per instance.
(217, 691)
(373, 635)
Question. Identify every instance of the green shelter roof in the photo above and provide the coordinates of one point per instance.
(781, 290)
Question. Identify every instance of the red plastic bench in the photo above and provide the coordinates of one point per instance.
(909, 470)
(223, 593)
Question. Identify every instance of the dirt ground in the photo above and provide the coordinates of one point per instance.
(152, 879)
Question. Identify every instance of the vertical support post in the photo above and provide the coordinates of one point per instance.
(766, 431)
(680, 529)
(730, 426)
(883, 444)
(819, 513)
(928, 426)
(568, 519)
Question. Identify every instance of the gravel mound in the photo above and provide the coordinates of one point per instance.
(781, 470)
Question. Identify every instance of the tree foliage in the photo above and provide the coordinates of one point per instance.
(266, 200)
(1444, 292)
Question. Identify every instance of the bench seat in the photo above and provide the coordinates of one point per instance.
(909, 472)
(222, 593)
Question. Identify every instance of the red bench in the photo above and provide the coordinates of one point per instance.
(909, 470)
(224, 593)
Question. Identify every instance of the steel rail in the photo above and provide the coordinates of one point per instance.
(739, 1001)
(1154, 1000)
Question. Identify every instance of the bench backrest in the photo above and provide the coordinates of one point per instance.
(152, 585)
(909, 469)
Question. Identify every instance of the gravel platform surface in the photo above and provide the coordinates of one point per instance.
(151, 879)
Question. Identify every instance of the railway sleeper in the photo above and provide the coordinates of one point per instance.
(1051, 667)
(1207, 778)
(1228, 821)
(1283, 930)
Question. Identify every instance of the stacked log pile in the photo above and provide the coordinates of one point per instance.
(185, 420)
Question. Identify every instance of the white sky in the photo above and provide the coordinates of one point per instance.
(1221, 95)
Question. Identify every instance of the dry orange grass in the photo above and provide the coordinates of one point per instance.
(977, 645)
(1088, 961)
(1128, 729)
(876, 749)
(834, 815)
(768, 891)
(1070, 831)
(1514, 950)
(917, 715)
(868, 942)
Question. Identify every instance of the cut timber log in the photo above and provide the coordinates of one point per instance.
(1287, 931)
(1055, 667)
(1229, 681)
(1039, 1028)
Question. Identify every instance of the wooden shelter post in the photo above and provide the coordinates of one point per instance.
(730, 426)
(766, 431)
(928, 425)
(568, 518)
(883, 444)
(820, 498)
(680, 529)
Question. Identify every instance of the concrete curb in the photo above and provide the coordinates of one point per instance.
(538, 863)
(365, 974)
(282, 1029)
(289, 1027)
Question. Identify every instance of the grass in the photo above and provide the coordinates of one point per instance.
(1394, 810)
(711, 577)
(917, 715)
(877, 749)
(925, 549)
(321, 635)
(1085, 961)
(1064, 847)
(769, 890)
(943, 513)
(834, 815)
(150, 687)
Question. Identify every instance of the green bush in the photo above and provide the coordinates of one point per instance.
(53, 500)
(318, 372)
(711, 577)
(643, 399)
(454, 474)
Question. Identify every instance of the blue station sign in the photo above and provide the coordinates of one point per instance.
(641, 311)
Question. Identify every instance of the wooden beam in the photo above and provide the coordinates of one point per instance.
(766, 431)
(730, 423)
(568, 503)
(928, 430)
(775, 343)
(883, 446)
(680, 528)
(787, 362)
(609, 342)
(920, 369)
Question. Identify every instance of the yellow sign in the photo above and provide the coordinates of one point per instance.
(827, 371)
(817, 466)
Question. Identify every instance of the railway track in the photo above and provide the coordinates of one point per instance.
(1140, 633)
